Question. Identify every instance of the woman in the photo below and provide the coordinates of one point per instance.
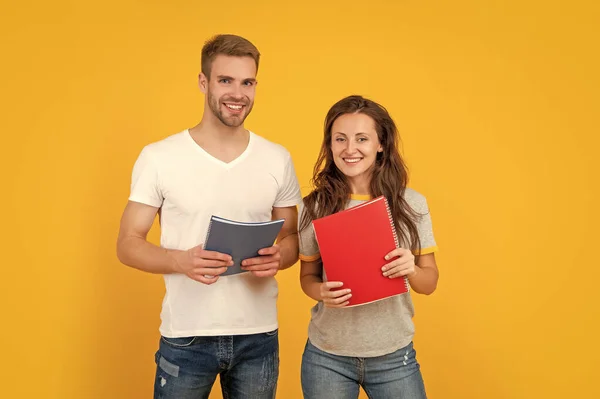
(368, 345)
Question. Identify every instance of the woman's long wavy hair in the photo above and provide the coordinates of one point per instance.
(389, 174)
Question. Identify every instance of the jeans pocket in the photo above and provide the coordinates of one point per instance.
(181, 342)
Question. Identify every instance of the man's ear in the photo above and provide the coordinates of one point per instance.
(203, 83)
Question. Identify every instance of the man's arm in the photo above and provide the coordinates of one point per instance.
(134, 250)
(288, 236)
(132, 247)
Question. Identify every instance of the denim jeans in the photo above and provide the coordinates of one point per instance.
(248, 366)
(393, 376)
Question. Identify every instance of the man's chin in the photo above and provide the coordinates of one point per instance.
(233, 122)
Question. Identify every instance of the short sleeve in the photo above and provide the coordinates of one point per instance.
(144, 181)
(309, 248)
(289, 189)
(424, 226)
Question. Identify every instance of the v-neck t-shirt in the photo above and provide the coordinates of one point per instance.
(189, 186)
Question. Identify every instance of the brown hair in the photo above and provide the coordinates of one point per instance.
(389, 174)
(231, 45)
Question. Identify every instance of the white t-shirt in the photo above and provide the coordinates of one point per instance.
(189, 185)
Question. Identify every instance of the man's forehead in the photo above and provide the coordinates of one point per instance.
(236, 67)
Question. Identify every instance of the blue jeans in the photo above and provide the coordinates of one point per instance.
(394, 376)
(248, 366)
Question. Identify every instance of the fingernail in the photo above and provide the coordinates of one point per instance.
(387, 257)
(383, 268)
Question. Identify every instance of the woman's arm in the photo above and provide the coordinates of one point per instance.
(312, 284)
(423, 277)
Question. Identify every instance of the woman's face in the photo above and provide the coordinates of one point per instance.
(354, 146)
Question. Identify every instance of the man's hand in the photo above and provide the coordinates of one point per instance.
(201, 265)
(265, 265)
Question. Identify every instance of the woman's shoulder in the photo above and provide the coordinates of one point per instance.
(416, 200)
(311, 200)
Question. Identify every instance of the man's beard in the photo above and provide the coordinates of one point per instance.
(230, 121)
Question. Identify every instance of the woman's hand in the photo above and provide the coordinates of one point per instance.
(403, 265)
(334, 299)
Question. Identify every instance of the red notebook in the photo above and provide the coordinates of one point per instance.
(353, 244)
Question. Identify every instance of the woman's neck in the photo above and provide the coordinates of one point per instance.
(360, 186)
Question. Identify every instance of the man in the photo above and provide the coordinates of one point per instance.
(210, 324)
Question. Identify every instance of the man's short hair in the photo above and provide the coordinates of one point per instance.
(230, 45)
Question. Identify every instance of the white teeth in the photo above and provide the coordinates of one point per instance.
(352, 160)
(234, 107)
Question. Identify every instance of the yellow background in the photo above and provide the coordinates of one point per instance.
(497, 103)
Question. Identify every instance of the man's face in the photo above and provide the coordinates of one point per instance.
(231, 88)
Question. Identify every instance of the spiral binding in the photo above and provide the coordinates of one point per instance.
(207, 232)
(396, 240)
(206, 239)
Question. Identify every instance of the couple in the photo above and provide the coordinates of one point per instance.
(227, 326)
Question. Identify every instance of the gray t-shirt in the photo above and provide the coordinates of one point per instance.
(376, 328)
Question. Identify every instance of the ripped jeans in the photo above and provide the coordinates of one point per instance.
(393, 376)
(248, 366)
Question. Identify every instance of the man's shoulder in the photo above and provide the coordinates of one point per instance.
(267, 146)
(162, 151)
(166, 145)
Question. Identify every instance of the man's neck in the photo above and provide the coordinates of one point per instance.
(220, 141)
(213, 130)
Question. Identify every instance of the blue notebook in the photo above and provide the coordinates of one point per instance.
(241, 240)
